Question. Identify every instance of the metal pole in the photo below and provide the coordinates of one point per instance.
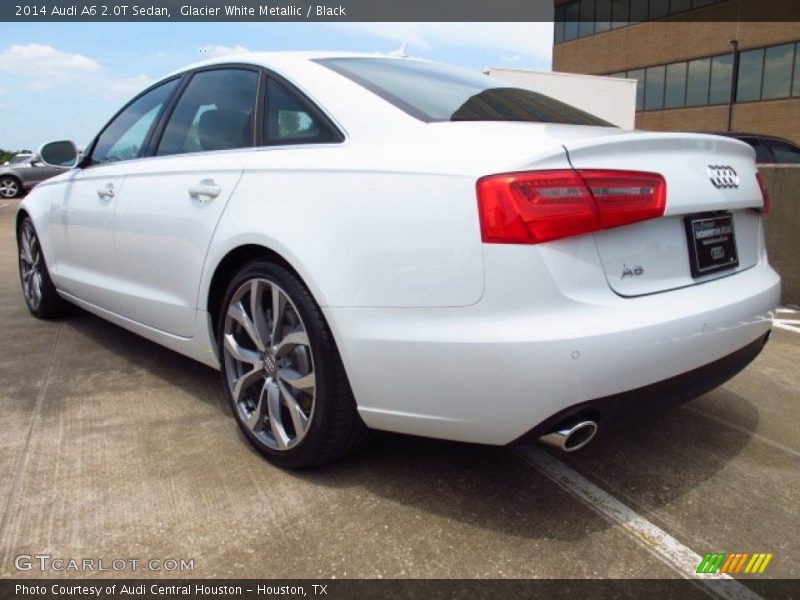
(734, 81)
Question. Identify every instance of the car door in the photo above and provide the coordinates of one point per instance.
(172, 202)
(82, 217)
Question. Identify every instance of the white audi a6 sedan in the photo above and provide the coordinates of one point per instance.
(361, 241)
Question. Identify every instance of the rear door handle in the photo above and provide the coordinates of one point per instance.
(107, 192)
(205, 191)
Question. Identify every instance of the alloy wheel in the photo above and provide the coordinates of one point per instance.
(30, 261)
(9, 188)
(269, 365)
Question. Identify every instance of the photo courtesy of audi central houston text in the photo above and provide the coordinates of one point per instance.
(577, 265)
(491, 296)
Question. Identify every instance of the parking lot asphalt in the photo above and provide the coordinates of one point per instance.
(113, 447)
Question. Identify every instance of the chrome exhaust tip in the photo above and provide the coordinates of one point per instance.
(572, 437)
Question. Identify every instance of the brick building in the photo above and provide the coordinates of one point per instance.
(682, 55)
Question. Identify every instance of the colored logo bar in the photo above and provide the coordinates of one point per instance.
(737, 562)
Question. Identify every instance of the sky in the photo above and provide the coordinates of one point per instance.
(65, 80)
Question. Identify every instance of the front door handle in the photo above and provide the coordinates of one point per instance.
(205, 191)
(107, 192)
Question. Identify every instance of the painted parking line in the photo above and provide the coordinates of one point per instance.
(655, 540)
(792, 325)
(787, 319)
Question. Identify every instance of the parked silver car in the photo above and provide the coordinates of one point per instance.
(23, 172)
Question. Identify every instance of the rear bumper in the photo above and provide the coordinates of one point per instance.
(501, 368)
(643, 402)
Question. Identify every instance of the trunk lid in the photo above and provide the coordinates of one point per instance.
(706, 228)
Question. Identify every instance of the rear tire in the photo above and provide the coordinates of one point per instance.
(285, 380)
(37, 288)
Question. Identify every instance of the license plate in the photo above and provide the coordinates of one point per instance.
(712, 244)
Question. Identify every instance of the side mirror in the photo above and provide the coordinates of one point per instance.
(63, 153)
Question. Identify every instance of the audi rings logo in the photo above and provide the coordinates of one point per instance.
(723, 176)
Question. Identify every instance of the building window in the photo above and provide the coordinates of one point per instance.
(751, 69)
(559, 25)
(620, 13)
(654, 88)
(764, 74)
(602, 16)
(658, 9)
(571, 15)
(586, 26)
(638, 11)
(698, 81)
(581, 18)
(778, 66)
(680, 5)
(675, 92)
(638, 75)
(721, 74)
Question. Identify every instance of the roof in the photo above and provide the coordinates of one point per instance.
(283, 58)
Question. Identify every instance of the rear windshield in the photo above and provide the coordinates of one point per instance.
(433, 92)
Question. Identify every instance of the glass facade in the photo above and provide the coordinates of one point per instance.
(581, 18)
(764, 74)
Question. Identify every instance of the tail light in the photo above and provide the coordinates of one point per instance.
(541, 206)
(764, 192)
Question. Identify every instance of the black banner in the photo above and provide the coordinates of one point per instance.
(276, 10)
(368, 10)
(356, 589)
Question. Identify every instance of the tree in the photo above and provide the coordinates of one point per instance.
(6, 155)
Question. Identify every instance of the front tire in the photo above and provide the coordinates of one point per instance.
(40, 294)
(10, 187)
(285, 380)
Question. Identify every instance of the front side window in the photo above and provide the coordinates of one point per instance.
(432, 92)
(125, 136)
(215, 112)
(290, 119)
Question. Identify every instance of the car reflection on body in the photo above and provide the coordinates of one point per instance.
(24, 171)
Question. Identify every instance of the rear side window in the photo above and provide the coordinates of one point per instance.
(434, 93)
(215, 112)
(290, 119)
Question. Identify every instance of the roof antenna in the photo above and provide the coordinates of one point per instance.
(401, 52)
